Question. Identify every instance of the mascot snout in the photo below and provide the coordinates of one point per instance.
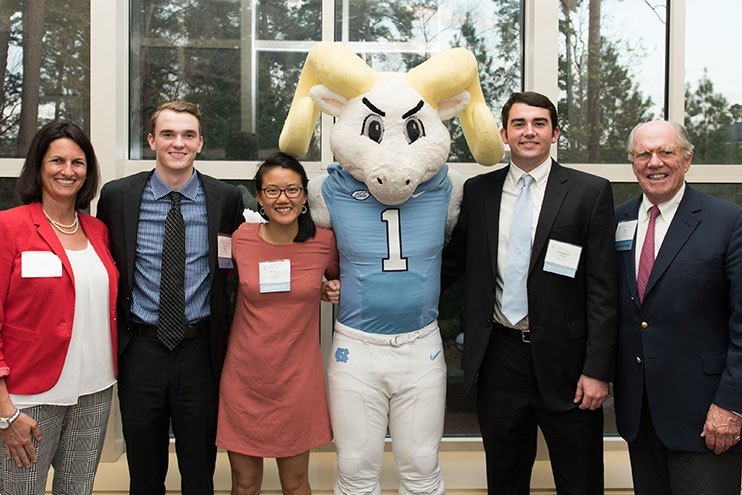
(391, 188)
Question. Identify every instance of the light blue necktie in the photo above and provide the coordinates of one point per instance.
(514, 293)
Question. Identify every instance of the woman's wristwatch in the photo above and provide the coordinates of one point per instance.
(6, 422)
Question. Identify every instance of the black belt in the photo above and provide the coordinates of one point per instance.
(189, 331)
(523, 335)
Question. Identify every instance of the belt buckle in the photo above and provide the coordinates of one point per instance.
(526, 336)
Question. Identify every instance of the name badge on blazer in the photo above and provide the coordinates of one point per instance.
(40, 264)
(562, 258)
(625, 235)
(224, 250)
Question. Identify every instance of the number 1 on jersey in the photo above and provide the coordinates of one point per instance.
(394, 262)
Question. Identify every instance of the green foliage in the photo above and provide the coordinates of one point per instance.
(709, 119)
(374, 20)
(499, 69)
(621, 104)
(64, 89)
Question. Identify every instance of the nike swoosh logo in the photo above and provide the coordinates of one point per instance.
(415, 195)
(433, 356)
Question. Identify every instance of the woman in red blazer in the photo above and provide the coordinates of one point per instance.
(57, 320)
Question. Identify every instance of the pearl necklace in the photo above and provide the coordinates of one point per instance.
(70, 229)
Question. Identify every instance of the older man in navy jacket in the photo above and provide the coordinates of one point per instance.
(678, 384)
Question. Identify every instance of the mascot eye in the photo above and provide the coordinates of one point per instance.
(413, 129)
(373, 127)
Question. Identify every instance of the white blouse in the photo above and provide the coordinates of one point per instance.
(88, 367)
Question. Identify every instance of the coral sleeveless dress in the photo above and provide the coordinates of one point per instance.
(272, 394)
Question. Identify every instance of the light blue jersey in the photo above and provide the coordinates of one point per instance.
(390, 256)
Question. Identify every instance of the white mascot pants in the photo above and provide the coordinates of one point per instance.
(396, 381)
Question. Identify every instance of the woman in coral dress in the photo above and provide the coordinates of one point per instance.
(272, 394)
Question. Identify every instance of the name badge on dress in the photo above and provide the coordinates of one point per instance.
(224, 251)
(275, 276)
(625, 235)
(562, 258)
(40, 264)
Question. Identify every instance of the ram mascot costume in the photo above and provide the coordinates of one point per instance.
(390, 199)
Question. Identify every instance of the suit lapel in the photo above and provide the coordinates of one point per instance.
(628, 258)
(130, 204)
(213, 212)
(556, 190)
(683, 224)
(46, 232)
(492, 215)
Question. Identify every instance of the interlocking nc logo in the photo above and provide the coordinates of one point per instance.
(341, 355)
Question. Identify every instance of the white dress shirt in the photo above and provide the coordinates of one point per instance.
(511, 187)
(661, 224)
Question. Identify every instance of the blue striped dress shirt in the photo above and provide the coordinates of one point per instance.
(147, 269)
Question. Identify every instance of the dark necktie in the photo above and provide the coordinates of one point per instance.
(646, 258)
(172, 283)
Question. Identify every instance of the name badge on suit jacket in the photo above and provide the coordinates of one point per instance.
(40, 264)
(562, 258)
(224, 250)
(625, 235)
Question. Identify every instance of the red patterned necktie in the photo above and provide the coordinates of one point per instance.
(646, 260)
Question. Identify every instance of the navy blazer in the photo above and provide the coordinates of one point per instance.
(684, 343)
(572, 319)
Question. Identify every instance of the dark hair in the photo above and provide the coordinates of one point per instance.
(533, 99)
(175, 106)
(28, 184)
(307, 228)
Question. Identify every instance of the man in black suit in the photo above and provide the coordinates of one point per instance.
(169, 372)
(535, 245)
(679, 366)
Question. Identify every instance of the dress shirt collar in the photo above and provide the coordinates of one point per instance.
(161, 189)
(667, 209)
(540, 175)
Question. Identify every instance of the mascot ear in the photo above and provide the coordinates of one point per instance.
(327, 100)
(450, 107)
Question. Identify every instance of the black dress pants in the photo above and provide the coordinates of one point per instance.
(158, 388)
(510, 409)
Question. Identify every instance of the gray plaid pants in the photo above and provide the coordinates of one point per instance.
(72, 440)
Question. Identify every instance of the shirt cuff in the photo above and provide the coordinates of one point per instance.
(4, 371)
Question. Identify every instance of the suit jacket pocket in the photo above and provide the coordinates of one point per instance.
(571, 233)
(714, 363)
(577, 329)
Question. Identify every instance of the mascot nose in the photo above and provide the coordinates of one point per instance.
(380, 179)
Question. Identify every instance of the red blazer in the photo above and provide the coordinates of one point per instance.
(36, 314)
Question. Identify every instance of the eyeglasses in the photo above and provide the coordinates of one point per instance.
(291, 192)
(664, 153)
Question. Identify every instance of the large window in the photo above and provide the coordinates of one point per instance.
(242, 65)
(44, 68)
(8, 197)
(713, 81)
(611, 75)
(212, 52)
